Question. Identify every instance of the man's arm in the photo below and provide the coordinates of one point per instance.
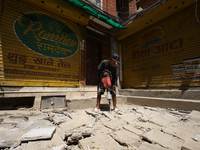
(116, 75)
(101, 68)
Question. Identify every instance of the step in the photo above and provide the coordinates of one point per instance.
(181, 104)
(163, 93)
(85, 103)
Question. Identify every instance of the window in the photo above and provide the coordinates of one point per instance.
(96, 2)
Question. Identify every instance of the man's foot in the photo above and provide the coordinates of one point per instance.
(116, 110)
(96, 110)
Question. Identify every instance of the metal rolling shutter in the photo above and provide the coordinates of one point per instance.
(150, 54)
(50, 65)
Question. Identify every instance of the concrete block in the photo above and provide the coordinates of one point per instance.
(37, 102)
(100, 142)
(165, 140)
(37, 134)
(190, 145)
(53, 102)
(9, 137)
(148, 146)
(126, 138)
(134, 130)
(181, 104)
(163, 93)
(56, 143)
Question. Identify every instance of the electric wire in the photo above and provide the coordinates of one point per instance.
(196, 9)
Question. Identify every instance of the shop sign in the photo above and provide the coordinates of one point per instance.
(46, 35)
(151, 37)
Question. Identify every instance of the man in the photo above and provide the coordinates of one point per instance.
(111, 68)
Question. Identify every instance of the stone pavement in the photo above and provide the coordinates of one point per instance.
(134, 127)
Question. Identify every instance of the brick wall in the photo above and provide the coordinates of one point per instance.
(110, 7)
(132, 7)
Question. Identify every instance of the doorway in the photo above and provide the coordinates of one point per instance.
(93, 59)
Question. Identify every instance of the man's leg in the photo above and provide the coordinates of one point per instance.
(98, 101)
(114, 101)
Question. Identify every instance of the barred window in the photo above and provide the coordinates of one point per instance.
(96, 2)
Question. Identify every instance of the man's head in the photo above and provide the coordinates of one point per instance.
(113, 59)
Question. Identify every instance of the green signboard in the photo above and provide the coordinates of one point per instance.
(46, 35)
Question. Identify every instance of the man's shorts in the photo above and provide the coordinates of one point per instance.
(101, 89)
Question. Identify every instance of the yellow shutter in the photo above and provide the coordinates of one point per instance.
(21, 65)
(158, 56)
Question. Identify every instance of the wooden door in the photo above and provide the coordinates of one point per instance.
(93, 59)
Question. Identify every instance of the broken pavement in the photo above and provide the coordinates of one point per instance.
(135, 127)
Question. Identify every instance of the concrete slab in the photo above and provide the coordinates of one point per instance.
(195, 115)
(162, 120)
(9, 137)
(115, 124)
(165, 140)
(182, 104)
(148, 146)
(134, 130)
(79, 119)
(190, 145)
(129, 118)
(38, 134)
(146, 126)
(187, 133)
(56, 143)
(100, 142)
(171, 132)
(163, 93)
(126, 138)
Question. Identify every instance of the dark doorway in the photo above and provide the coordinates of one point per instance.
(16, 103)
(93, 58)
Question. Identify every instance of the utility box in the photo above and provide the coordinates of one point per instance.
(53, 102)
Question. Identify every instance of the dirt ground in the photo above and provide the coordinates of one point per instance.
(132, 128)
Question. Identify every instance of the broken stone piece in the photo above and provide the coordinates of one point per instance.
(196, 138)
(149, 146)
(74, 138)
(126, 138)
(9, 137)
(1, 120)
(86, 134)
(101, 142)
(36, 134)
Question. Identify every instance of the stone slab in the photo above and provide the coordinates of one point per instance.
(8, 137)
(38, 134)
(148, 146)
(146, 126)
(132, 129)
(100, 142)
(77, 121)
(130, 117)
(195, 115)
(126, 138)
(56, 143)
(191, 145)
(115, 124)
(165, 140)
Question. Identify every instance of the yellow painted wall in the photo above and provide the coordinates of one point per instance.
(62, 8)
(157, 14)
(153, 55)
(22, 66)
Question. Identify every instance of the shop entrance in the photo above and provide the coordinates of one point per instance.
(93, 58)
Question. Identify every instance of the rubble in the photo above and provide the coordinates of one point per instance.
(38, 134)
(136, 127)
